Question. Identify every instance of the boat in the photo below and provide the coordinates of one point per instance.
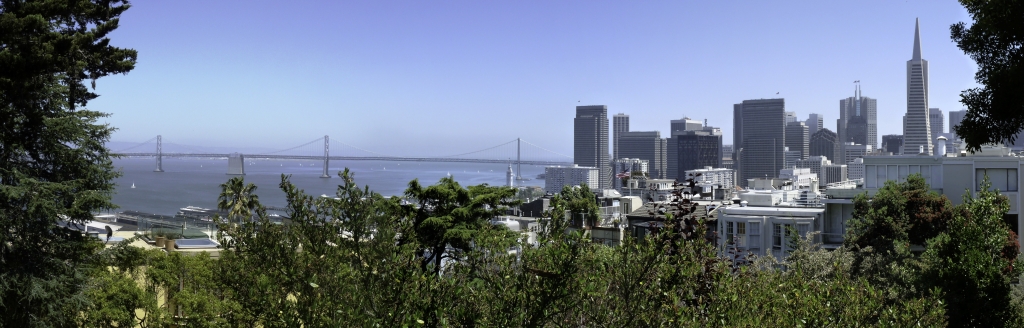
(133, 184)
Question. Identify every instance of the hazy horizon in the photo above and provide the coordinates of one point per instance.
(417, 78)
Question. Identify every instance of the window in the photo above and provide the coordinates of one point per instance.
(736, 233)
(891, 172)
(903, 172)
(870, 176)
(802, 229)
(754, 235)
(1002, 179)
(729, 233)
(777, 235)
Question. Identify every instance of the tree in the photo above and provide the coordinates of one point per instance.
(238, 198)
(899, 212)
(973, 262)
(581, 204)
(883, 229)
(995, 111)
(449, 216)
(55, 167)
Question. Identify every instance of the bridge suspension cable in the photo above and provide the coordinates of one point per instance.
(547, 150)
(135, 146)
(357, 148)
(186, 148)
(478, 151)
(321, 139)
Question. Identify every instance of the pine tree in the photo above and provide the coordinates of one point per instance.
(54, 168)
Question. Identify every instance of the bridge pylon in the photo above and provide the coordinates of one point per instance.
(327, 157)
(519, 168)
(159, 154)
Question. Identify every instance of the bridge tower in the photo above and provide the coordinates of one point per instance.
(236, 164)
(519, 162)
(327, 157)
(159, 154)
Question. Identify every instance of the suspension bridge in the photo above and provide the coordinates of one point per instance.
(510, 152)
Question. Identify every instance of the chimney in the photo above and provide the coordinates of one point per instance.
(940, 147)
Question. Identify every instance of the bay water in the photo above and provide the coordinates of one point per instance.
(196, 182)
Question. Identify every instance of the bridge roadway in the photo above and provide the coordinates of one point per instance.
(352, 158)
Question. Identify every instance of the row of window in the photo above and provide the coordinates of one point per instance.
(737, 234)
(876, 175)
(1002, 179)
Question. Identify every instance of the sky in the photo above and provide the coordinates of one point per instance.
(422, 78)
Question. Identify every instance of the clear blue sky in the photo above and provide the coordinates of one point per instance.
(440, 77)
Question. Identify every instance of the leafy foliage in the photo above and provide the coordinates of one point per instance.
(995, 111)
(974, 261)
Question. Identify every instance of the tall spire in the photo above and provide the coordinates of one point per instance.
(917, 40)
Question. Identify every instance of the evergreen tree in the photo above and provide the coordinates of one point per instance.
(54, 167)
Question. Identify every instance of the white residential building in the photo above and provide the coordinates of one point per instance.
(558, 176)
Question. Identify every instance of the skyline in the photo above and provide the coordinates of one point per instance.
(417, 78)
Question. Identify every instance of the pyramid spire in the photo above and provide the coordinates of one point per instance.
(917, 40)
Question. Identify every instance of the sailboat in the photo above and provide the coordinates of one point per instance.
(133, 184)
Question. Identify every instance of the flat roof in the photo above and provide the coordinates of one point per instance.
(761, 210)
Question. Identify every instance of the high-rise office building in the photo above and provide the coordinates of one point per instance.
(672, 159)
(825, 143)
(917, 132)
(857, 121)
(791, 156)
(790, 117)
(855, 169)
(937, 121)
(797, 138)
(833, 173)
(893, 143)
(814, 123)
(955, 117)
(620, 124)
(762, 137)
(645, 145)
(697, 149)
(815, 163)
(590, 141)
(853, 151)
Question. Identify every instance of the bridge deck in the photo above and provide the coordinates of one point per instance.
(354, 158)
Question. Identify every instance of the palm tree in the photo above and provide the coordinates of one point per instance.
(238, 199)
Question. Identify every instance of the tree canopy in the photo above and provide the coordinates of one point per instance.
(55, 167)
(995, 40)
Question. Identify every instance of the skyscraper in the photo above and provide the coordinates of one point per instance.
(892, 143)
(620, 124)
(796, 138)
(645, 145)
(917, 130)
(814, 123)
(857, 121)
(825, 143)
(790, 117)
(676, 127)
(954, 119)
(937, 121)
(590, 141)
(762, 131)
(697, 149)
